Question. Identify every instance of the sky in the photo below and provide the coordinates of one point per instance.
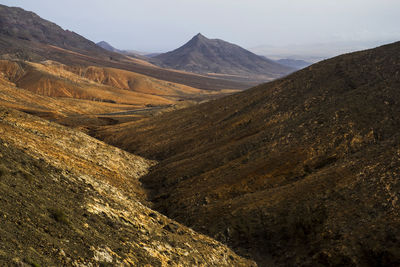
(163, 25)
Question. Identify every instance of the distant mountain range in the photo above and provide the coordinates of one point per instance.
(217, 57)
(24, 35)
(293, 63)
(130, 53)
(314, 52)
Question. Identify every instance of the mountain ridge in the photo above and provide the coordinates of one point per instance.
(24, 35)
(215, 56)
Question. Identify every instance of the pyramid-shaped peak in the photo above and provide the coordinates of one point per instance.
(199, 36)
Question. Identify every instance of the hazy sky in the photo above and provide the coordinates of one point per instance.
(160, 25)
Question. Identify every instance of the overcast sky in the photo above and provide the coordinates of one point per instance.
(161, 25)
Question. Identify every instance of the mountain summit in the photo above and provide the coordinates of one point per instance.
(215, 56)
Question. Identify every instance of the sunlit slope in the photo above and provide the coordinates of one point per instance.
(52, 79)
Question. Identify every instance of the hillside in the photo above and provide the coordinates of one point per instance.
(26, 36)
(302, 171)
(103, 84)
(89, 96)
(217, 57)
(55, 80)
(69, 200)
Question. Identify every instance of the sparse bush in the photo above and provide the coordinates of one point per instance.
(32, 263)
(58, 215)
(105, 264)
(27, 176)
(3, 171)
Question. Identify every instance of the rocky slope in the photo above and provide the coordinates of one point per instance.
(302, 171)
(217, 57)
(68, 199)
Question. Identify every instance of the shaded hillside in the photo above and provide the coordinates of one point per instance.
(217, 57)
(301, 171)
(69, 200)
(24, 35)
(18, 23)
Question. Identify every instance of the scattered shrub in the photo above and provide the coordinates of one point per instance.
(58, 215)
(2, 171)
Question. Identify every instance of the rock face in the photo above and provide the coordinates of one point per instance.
(300, 171)
(214, 56)
(68, 199)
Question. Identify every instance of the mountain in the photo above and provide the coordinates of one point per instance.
(70, 200)
(26, 36)
(131, 53)
(217, 57)
(301, 171)
(19, 28)
(108, 47)
(293, 63)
